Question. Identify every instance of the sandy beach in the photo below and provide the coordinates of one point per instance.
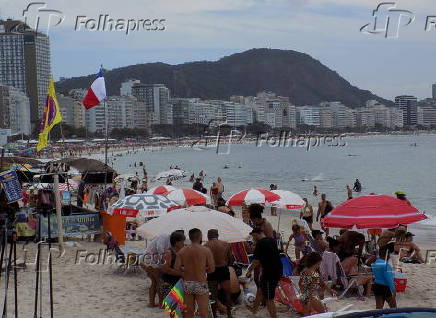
(83, 289)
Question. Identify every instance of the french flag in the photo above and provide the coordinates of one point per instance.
(96, 93)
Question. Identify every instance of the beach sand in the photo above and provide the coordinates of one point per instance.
(82, 289)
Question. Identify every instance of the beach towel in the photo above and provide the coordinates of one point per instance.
(174, 303)
(287, 266)
(328, 266)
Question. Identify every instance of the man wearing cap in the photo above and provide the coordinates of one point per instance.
(401, 195)
(267, 255)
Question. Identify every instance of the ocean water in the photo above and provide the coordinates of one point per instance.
(382, 164)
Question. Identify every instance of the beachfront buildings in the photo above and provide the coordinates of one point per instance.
(192, 111)
(25, 63)
(14, 111)
(408, 105)
(156, 98)
(309, 115)
(427, 112)
(269, 108)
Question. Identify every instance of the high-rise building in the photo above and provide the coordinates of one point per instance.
(73, 112)
(308, 115)
(120, 114)
(427, 111)
(126, 87)
(408, 105)
(25, 63)
(14, 110)
(156, 99)
(433, 91)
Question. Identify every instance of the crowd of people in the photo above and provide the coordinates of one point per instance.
(212, 278)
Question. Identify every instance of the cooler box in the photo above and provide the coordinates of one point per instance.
(400, 280)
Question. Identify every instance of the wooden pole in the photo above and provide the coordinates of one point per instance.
(58, 212)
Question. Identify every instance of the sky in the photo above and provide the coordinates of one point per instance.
(328, 30)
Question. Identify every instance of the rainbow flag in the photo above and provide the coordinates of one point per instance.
(174, 303)
(52, 116)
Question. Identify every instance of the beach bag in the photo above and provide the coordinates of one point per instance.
(400, 280)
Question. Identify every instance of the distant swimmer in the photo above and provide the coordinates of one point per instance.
(192, 178)
(349, 193)
(357, 186)
(226, 167)
(315, 191)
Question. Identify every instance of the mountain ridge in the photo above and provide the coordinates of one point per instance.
(305, 80)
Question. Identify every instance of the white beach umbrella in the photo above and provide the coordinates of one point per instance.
(230, 229)
(288, 200)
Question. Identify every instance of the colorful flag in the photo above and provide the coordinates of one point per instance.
(174, 302)
(96, 93)
(52, 116)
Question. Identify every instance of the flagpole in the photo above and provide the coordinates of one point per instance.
(106, 142)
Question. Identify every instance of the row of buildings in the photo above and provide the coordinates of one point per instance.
(143, 105)
(25, 72)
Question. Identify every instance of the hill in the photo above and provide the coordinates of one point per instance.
(288, 73)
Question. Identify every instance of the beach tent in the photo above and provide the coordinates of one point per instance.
(372, 212)
(92, 171)
(230, 229)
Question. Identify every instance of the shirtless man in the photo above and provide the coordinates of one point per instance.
(256, 211)
(324, 208)
(195, 262)
(221, 276)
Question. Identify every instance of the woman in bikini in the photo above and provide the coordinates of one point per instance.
(300, 239)
(311, 284)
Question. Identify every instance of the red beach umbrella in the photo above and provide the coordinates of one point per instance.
(372, 212)
(250, 196)
(162, 190)
(188, 197)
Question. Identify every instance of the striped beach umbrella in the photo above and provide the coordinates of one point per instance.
(146, 205)
(288, 200)
(372, 212)
(251, 196)
(162, 190)
(188, 197)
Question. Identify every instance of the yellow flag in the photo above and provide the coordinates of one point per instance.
(52, 116)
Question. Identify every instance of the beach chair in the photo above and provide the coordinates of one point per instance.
(240, 253)
(288, 294)
(332, 272)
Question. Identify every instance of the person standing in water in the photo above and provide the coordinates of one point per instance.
(357, 186)
(315, 191)
(349, 193)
